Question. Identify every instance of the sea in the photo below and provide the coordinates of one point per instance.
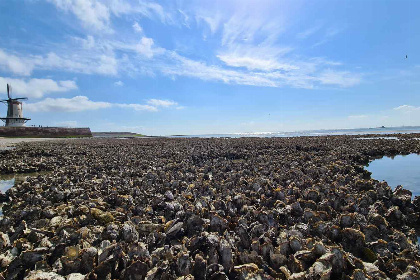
(321, 132)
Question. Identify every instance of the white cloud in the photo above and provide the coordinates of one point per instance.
(15, 64)
(307, 75)
(138, 107)
(253, 63)
(137, 28)
(92, 13)
(36, 88)
(212, 21)
(249, 54)
(89, 64)
(146, 48)
(339, 78)
(161, 103)
(407, 108)
(119, 84)
(82, 103)
(75, 104)
(88, 43)
(152, 10)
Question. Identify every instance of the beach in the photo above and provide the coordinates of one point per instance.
(207, 208)
(6, 142)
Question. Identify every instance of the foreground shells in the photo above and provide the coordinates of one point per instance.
(286, 208)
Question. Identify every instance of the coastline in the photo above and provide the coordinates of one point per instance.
(216, 208)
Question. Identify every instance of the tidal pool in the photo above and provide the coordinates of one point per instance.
(398, 170)
(9, 180)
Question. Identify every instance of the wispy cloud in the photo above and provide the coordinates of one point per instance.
(340, 78)
(407, 108)
(161, 103)
(92, 13)
(75, 104)
(249, 52)
(83, 103)
(328, 35)
(89, 62)
(262, 57)
(36, 88)
(137, 28)
(118, 84)
(138, 107)
(308, 32)
(14, 64)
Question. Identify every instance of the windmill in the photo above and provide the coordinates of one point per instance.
(14, 110)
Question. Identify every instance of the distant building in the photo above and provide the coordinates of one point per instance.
(14, 110)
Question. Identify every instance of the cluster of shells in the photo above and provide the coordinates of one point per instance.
(247, 208)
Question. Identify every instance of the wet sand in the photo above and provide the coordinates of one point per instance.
(11, 142)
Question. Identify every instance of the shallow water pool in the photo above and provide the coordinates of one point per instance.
(9, 180)
(398, 170)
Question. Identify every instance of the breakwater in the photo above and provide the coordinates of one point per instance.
(248, 208)
(44, 132)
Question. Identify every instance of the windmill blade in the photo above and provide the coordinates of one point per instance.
(8, 91)
(20, 98)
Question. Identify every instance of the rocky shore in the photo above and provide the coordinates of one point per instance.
(248, 208)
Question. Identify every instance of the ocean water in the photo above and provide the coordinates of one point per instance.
(357, 131)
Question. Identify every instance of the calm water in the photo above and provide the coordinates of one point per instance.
(399, 170)
(8, 181)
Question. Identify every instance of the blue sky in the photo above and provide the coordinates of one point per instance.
(196, 67)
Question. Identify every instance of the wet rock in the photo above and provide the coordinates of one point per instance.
(184, 264)
(246, 271)
(320, 270)
(111, 232)
(199, 268)
(296, 209)
(89, 258)
(175, 231)
(4, 241)
(136, 271)
(129, 233)
(218, 224)
(225, 252)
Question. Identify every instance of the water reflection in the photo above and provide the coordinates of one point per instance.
(398, 170)
(6, 184)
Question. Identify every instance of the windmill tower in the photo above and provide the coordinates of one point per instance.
(14, 110)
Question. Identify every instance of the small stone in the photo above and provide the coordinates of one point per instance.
(129, 233)
(41, 275)
(75, 276)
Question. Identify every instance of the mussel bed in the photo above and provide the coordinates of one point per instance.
(246, 208)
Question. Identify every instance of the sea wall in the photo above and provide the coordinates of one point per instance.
(44, 132)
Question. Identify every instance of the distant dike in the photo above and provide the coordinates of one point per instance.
(44, 132)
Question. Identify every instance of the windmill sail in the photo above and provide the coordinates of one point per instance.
(14, 110)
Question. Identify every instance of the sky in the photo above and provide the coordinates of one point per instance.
(201, 67)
